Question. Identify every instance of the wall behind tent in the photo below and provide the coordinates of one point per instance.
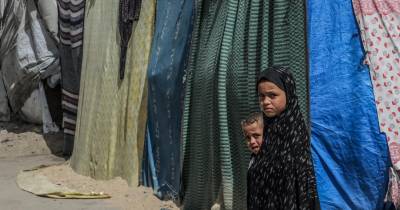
(170, 47)
(350, 154)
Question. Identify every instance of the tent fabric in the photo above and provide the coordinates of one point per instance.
(232, 41)
(379, 26)
(71, 20)
(350, 154)
(169, 52)
(112, 113)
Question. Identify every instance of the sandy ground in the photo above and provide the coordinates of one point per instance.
(23, 146)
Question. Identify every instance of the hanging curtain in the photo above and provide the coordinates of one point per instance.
(169, 52)
(350, 154)
(379, 23)
(232, 41)
(112, 112)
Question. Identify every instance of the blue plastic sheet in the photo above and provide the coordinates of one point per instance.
(350, 154)
(170, 47)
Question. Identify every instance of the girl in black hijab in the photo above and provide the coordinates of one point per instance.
(282, 176)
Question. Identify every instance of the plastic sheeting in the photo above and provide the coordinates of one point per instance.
(33, 57)
(165, 82)
(350, 154)
(27, 54)
(49, 13)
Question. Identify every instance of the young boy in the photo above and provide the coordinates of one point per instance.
(253, 131)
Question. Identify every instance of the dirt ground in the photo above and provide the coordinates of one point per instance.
(23, 146)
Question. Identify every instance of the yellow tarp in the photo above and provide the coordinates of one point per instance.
(36, 183)
(112, 114)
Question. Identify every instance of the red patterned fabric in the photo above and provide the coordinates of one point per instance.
(370, 7)
(379, 22)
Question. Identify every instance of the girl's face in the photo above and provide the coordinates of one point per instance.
(272, 99)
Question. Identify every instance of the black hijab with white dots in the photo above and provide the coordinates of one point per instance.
(282, 175)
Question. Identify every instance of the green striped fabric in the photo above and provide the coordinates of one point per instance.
(232, 41)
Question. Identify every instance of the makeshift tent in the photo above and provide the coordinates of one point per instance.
(170, 48)
(232, 41)
(112, 112)
(350, 154)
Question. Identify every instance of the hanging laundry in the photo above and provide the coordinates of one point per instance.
(379, 23)
(168, 57)
(232, 42)
(112, 113)
(350, 154)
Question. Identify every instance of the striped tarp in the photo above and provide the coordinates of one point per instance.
(232, 41)
(71, 17)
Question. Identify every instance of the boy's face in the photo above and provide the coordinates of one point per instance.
(254, 136)
(272, 99)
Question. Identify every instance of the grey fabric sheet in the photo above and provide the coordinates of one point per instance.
(27, 53)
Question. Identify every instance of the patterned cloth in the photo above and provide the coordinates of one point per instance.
(282, 175)
(379, 23)
(71, 18)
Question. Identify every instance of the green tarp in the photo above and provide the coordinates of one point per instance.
(232, 41)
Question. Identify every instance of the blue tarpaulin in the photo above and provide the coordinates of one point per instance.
(350, 154)
(170, 47)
